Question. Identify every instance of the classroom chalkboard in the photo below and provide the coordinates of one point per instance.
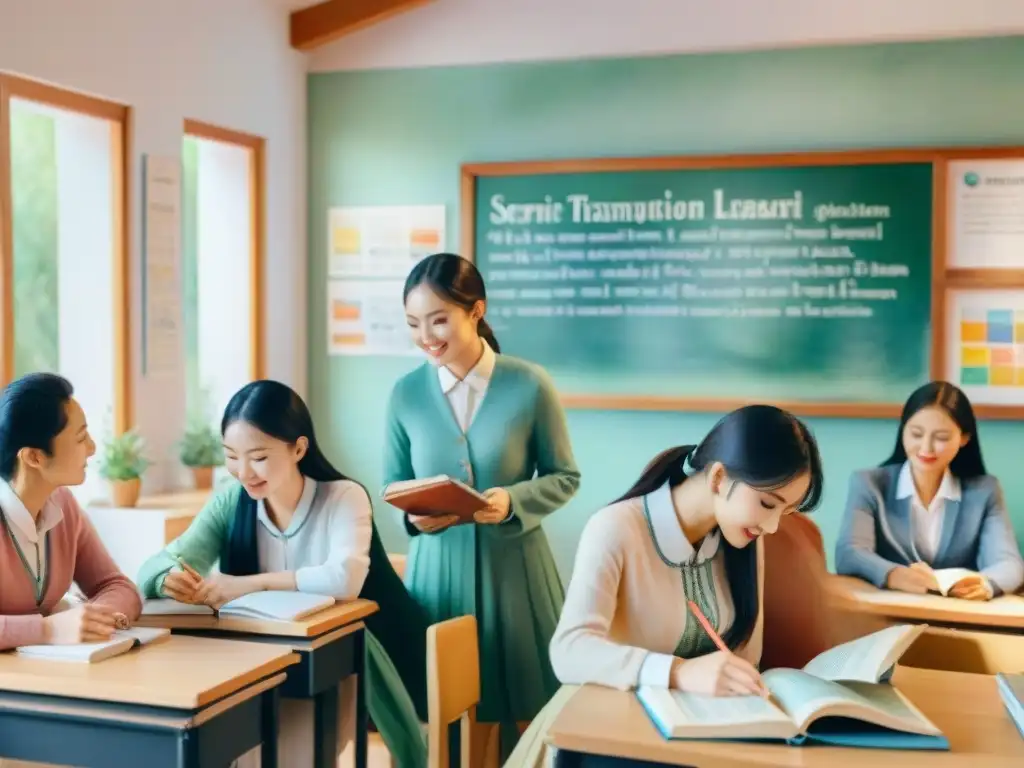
(802, 281)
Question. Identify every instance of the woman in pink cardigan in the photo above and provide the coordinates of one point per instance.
(46, 541)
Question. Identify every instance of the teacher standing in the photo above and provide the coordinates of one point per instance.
(493, 422)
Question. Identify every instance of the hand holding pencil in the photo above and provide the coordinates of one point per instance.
(722, 673)
(183, 585)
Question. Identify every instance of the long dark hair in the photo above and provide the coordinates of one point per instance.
(454, 279)
(277, 411)
(761, 446)
(33, 411)
(951, 399)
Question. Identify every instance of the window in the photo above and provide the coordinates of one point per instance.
(63, 260)
(222, 257)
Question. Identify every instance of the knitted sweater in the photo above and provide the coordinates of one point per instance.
(75, 554)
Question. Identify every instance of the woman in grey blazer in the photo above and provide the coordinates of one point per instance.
(931, 505)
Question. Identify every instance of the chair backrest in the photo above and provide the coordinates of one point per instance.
(453, 686)
(797, 612)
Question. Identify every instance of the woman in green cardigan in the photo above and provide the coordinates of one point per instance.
(293, 522)
(495, 423)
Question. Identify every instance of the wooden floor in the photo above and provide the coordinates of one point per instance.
(377, 757)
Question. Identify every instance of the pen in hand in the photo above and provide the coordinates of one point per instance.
(188, 568)
(717, 640)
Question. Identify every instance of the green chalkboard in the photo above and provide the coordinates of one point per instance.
(801, 282)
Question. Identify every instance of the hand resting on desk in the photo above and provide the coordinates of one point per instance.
(956, 582)
(84, 623)
(911, 579)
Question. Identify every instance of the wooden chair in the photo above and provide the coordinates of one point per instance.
(799, 622)
(453, 691)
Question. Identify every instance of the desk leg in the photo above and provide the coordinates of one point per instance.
(362, 718)
(269, 703)
(325, 728)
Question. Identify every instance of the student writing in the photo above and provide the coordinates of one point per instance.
(293, 522)
(46, 540)
(493, 422)
(688, 530)
(931, 506)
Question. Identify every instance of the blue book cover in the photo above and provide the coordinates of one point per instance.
(1011, 690)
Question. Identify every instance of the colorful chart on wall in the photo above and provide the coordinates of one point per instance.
(986, 214)
(382, 241)
(986, 345)
(366, 317)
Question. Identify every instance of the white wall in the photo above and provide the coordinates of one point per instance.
(222, 261)
(449, 32)
(226, 62)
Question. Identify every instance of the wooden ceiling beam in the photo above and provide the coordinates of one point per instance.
(327, 21)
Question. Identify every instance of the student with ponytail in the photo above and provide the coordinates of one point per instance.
(493, 422)
(294, 522)
(688, 530)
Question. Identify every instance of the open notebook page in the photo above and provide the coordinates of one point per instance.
(865, 659)
(804, 697)
(689, 715)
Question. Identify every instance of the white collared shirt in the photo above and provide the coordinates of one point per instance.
(29, 533)
(926, 520)
(465, 395)
(326, 542)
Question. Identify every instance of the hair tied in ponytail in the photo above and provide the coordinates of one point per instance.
(688, 469)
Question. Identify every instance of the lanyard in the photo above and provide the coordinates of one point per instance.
(38, 578)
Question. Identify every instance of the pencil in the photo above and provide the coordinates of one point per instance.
(188, 568)
(715, 637)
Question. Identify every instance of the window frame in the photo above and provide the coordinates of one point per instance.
(119, 116)
(256, 146)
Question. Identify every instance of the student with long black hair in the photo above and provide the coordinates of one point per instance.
(294, 522)
(931, 505)
(688, 530)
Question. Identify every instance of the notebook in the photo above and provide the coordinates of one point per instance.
(439, 495)
(277, 605)
(1011, 690)
(122, 641)
(166, 606)
(841, 697)
(272, 605)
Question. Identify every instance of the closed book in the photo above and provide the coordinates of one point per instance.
(120, 642)
(439, 495)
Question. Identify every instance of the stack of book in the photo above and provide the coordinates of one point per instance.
(1011, 689)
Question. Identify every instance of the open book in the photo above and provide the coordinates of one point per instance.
(947, 578)
(270, 605)
(439, 495)
(841, 697)
(122, 641)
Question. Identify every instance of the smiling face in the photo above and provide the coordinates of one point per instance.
(932, 440)
(445, 331)
(261, 463)
(744, 513)
(69, 452)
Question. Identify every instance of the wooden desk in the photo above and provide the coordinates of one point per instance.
(331, 646)
(967, 708)
(183, 702)
(1006, 612)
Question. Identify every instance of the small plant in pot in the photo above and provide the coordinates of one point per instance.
(201, 451)
(122, 465)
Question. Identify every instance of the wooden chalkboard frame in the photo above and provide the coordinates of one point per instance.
(943, 280)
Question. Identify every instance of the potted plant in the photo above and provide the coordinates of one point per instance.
(122, 465)
(201, 451)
